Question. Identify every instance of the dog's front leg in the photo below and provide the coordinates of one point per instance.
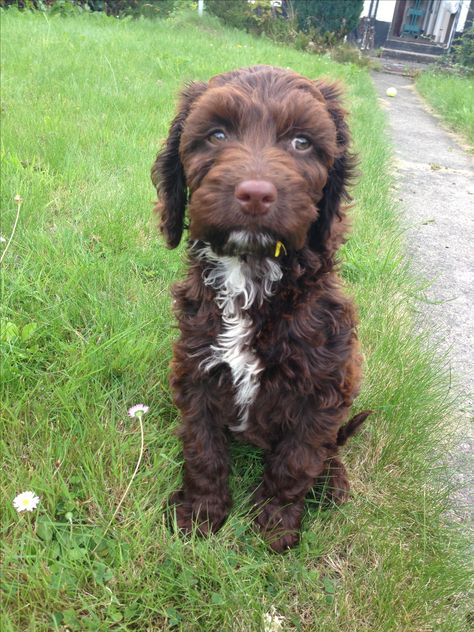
(204, 498)
(290, 472)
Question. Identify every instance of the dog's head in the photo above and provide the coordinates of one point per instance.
(261, 155)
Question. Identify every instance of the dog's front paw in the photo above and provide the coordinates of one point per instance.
(279, 523)
(282, 541)
(207, 513)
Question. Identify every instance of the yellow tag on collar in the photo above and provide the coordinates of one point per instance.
(279, 245)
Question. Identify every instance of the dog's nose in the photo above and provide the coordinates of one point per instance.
(255, 196)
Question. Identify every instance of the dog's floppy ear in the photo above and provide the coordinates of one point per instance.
(335, 193)
(167, 173)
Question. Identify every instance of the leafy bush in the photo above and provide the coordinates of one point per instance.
(27, 4)
(280, 30)
(118, 8)
(464, 49)
(301, 41)
(346, 54)
(234, 13)
(338, 17)
(135, 8)
(256, 18)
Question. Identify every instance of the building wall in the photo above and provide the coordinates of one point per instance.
(386, 9)
(384, 12)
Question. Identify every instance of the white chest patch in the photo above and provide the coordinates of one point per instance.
(238, 285)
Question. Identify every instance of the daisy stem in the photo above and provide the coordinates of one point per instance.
(124, 495)
(18, 207)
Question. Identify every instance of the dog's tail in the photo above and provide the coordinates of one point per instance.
(352, 426)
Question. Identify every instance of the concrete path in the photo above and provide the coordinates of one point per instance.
(435, 187)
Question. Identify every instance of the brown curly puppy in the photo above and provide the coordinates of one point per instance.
(268, 351)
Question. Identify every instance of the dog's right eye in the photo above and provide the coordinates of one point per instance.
(301, 143)
(217, 136)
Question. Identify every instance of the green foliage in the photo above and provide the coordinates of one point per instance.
(283, 31)
(347, 54)
(73, 553)
(142, 8)
(301, 41)
(256, 18)
(18, 345)
(235, 13)
(118, 8)
(66, 8)
(335, 16)
(464, 49)
(239, 13)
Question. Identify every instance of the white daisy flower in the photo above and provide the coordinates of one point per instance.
(272, 621)
(138, 410)
(26, 501)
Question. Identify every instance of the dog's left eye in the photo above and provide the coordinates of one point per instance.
(300, 143)
(218, 136)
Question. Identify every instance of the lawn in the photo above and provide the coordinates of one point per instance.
(452, 97)
(87, 333)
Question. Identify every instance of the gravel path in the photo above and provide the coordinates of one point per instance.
(436, 190)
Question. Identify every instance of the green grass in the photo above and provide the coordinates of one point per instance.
(85, 102)
(452, 97)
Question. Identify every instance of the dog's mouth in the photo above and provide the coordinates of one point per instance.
(240, 243)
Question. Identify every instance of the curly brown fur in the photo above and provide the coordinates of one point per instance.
(268, 351)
